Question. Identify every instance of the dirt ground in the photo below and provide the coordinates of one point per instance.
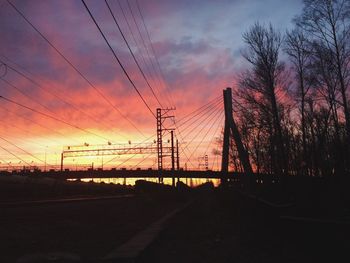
(224, 226)
(221, 225)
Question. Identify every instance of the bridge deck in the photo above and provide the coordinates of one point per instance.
(130, 174)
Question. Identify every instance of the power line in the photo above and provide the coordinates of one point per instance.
(142, 160)
(16, 156)
(74, 67)
(52, 94)
(136, 43)
(134, 147)
(26, 95)
(52, 117)
(142, 39)
(154, 54)
(116, 57)
(132, 54)
(26, 131)
(139, 31)
(43, 126)
(143, 44)
(28, 153)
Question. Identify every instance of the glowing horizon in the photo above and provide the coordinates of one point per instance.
(197, 45)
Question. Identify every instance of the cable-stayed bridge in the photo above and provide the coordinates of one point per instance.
(173, 153)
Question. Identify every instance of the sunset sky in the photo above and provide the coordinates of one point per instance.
(198, 45)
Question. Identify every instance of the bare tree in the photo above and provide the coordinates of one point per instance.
(297, 47)
(328, 22)
(259, 85)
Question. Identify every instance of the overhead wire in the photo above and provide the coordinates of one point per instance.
(23, 150)
(136, 43)
(24, 130)
(137, 144)
(142, 160)
(132, 54)
(155, 56)
(143, 41)
(118, 60)
(52, 117)
(74, 67)
(52, 94)
(151, 137)
(26, 95)
(13, 154)
(124, 70)
(141, 37)
(37, 123)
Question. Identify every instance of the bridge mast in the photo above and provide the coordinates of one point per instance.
(230, 126)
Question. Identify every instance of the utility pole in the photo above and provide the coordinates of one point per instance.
(172, 156)
(177, 155)
(161, 117)
(159, 140)
(45, 157)
(62, 161)
(230, 126)
(206, 162)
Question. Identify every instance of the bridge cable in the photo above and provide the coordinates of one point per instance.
(186, 146)
(197, 118)
(201, 115)
(199, 109)
(219, 124)
(212, 115)
(206, 134)
(183, 150)
(179, 131)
